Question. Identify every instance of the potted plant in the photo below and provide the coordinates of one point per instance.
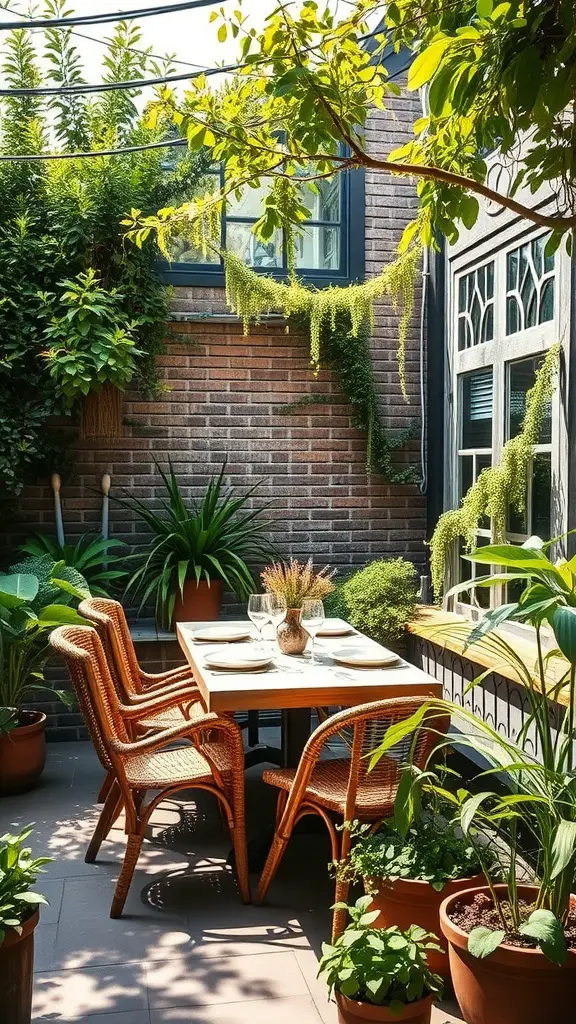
(296, 582)
(409, 870)
(101, 561)
(380, 974)
(198, 548)
(25, 625)
(18, 919)
(379, 600)
(512, 946)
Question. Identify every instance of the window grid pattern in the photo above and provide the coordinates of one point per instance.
(476, 307)
(529, 286)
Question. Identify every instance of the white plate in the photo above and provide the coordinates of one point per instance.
(364, 658)
(335, 631)
(222, 634)
(234, 658)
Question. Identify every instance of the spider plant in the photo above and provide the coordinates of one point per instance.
(96, 558)
(213, 538)
(541, 800)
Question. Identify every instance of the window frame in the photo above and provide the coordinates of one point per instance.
(352, 246)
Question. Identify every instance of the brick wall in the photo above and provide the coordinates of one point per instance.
(224, 400)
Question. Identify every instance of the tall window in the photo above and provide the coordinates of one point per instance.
(504, 319)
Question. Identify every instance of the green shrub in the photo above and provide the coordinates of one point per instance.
(381, 598)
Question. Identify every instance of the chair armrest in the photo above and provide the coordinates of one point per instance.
(155, 704)
(150, 680)
(188, 690)
(161, 739)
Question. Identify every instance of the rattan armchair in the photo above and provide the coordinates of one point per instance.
(343, 788)
(215, 761)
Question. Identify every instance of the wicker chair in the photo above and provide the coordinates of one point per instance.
(151, 763)
(343, 787)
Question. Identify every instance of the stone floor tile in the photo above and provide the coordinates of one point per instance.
(293, 1010)
(124, 1017)
(45, 946)
(53, 890)
(83, 993)
(195, 982)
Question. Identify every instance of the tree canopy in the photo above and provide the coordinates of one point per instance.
(296, 109)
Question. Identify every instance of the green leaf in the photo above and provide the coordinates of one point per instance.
(470, 809)
(17, 590)
(564, 626)
(510, 555)
(545, 927)
(58, 614)
(563, 847)
(483, 941)
(484, 8)
(427, 63)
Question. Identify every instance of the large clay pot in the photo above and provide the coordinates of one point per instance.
(351, 1012)
(511, 985)
(292, 637)
(16, 967)
(201, 603)
(23, 754)
(407, 901)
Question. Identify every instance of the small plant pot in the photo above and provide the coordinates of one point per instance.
(512, 985)
(352, 1012)
(23, 754)
(16, 967)
(292, 637)
(201, 603)
(407, 901)
(101, 414)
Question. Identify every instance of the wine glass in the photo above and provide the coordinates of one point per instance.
(312, 618)
(277, 609)
(259, 613)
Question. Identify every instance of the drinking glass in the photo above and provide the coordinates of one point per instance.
(259, 613)
(277, 611)
(312, 618)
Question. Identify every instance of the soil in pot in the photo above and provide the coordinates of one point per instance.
(23, 753)
(407, 901)
(516, 984)
(352, 1012)
(16, 967)
(201, 603)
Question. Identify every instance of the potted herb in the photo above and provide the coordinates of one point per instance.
(199, 547)
(26, 620)
(380, 974)
(296, 582)
(410, 871)
(18, 919)
(379, 600)
(512, 946)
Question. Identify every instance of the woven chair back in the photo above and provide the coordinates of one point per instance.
(84, 654)
(109, 618)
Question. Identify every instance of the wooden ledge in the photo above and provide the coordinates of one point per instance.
(446, 629)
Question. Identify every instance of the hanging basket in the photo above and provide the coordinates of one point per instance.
(102, 413)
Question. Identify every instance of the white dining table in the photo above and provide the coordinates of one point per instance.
(294, 686)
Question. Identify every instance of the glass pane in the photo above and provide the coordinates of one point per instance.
(546, 302)
(241, 239)
(488, 324)
(490, 280)
(461, 333)
(541, 495)
(250, 204)
(318, 249)
(183, 250)
(517, 521)
(521, 376)
(325, 203)
(482, 594)
(462, 292)
(528, 296)
(512, 271)
(528, 272)
(483, 462)
(466, 473)
(477, 410)
(512, 315)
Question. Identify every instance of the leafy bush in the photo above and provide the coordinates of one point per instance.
(57, 582)
(381, 598)
(94, 558)
(18, 873)
(383, 966)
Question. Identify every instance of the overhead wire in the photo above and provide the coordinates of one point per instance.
(110, 16)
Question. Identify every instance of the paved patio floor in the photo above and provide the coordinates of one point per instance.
(186, 949)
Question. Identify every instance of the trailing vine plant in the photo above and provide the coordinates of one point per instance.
(499, 487)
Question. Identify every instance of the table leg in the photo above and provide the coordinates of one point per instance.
(295, 734)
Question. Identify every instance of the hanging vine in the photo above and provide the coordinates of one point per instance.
(498, 487)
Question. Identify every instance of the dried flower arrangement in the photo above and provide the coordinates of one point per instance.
(297, 581)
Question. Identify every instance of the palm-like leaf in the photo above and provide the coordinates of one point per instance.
(100, 561)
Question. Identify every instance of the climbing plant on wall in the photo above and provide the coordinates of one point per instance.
(499, 487)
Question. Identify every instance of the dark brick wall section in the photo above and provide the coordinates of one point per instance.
(224, 399)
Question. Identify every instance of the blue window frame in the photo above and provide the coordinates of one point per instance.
(331, 250)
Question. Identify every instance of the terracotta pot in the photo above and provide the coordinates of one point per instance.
(407, 901)
(512, 985)
(16, 966)
(350, 1012)
(23, 753)
(292, 637)
(201, 603)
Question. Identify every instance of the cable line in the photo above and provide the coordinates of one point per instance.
(134, 83)
(103, 19)
(38, 157)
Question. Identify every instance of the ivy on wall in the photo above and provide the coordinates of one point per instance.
(499, 487)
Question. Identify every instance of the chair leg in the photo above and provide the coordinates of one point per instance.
(105, 788)
(271, 866)
(133, 846)
(108, 814)
(241, 860)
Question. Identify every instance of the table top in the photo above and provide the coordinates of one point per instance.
(291, 682)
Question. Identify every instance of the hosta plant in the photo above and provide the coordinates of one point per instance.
(537, 810)
(298, 582)
(18, 873)
(100, 561)
(212, 538)
(382, 966)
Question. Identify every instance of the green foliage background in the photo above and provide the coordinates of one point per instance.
(60, 218)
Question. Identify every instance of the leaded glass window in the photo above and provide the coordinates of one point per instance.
(529, 286)
(476, 307)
